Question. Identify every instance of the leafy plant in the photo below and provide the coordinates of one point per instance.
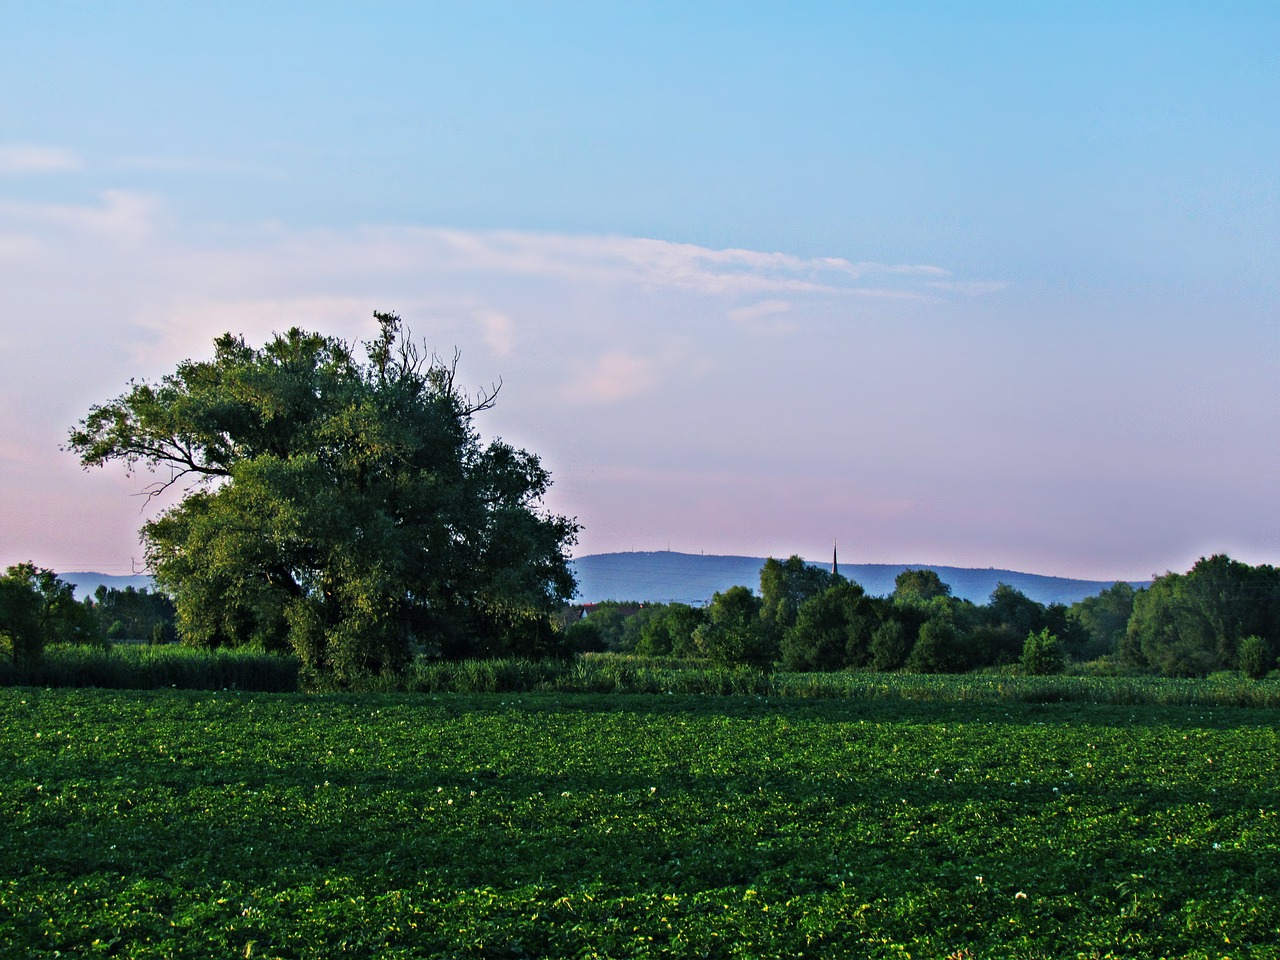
(1043, 654)
(197, 824)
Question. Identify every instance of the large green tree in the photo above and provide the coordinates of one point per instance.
(1192, 623)
(832, 630)
(785, 585)
(345, 508)
(1104, 618)
(36, 608)
(734, 632)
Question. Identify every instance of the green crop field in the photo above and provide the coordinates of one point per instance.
(188, 824)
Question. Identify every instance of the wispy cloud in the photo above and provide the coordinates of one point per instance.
(119, 215)
(767, 316)
(19, 159)
(180, 164)
(616, 351)
(658, 263)
(593, 319)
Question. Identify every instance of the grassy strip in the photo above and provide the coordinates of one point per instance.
(171, 824)
(638, 675)
(143, 667)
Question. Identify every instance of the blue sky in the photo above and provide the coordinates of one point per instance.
(985, 284)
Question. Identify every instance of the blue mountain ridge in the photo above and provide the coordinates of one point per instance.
(86, 583)
(666, 577)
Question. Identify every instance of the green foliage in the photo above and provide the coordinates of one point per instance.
(1104, 618)
(143, 667)
(584, 636)
(937, 649)
(1190, 624)
(998, 631)
(21, 638)
(670, 631)
(919, 586)
(734, 632)
(150, 667)
(786, 585)
(1042, 654)
(344, 510)
(230, 825)
(619, 623)
(135, 614)
(1257, 657)
(1182, 626)
(507, 630)
(890, 645)
(833, 629)
(38, 608)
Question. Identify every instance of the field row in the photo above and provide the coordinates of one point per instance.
(182, 824)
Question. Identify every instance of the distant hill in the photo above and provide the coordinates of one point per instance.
(87, 583)
(666, 577)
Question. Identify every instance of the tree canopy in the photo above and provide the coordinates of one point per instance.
(37, 607)
(1221, 615)
(1191, 624)
(346, 509)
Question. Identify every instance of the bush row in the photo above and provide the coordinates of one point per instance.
(142, 667)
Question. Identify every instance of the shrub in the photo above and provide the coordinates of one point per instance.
(936, 650)
(1256, 658)
(1042, 654)
(889, 646)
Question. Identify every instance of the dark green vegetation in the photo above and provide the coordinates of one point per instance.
(239, 825)
(347, 512)
(151, 667)
(133, 614)
(134, 667)
(344, 510)
(1221, 615)
(723, 649)
(38, 609)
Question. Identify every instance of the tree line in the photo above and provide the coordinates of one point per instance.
(38, 608)
(344, 508)
(1220, 615)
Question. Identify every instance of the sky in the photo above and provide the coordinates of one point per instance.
(976, 284)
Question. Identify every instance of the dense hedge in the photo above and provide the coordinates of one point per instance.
(150, 667)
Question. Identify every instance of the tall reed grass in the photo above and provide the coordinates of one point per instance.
(141, 667)
(144, 667)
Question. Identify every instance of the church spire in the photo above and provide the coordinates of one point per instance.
(835, 565)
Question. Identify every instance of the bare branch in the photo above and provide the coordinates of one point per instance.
(484, 399)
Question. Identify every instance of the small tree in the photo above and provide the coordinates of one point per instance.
(919, 586)
(832, 630)
(889, 646)
(733, 632)
(36, 608)
(937, 650)
(671, 632)
(1256, 657)
(785, 585)
(1042, 654)
(20, 636)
